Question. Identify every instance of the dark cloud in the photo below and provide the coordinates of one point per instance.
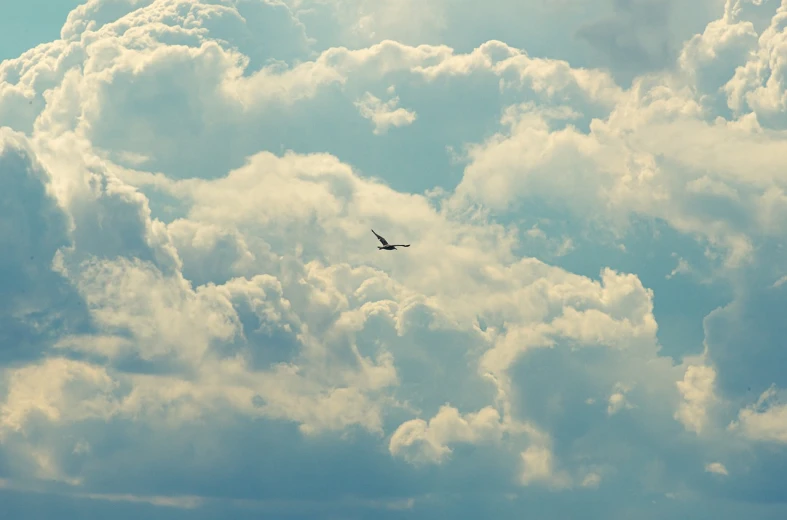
(38, 304)
(641, 36)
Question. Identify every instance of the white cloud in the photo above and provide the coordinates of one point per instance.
(59, 390)
(538, 467)
(326, 384)
(757, 84)
(716, 468)
(419, 441)
(613, 168)
(591, 480)
(697, 389)
(683, 267)
(764, 421)
(384, 114)
(627, 37)
(617, 400)
(191, 261)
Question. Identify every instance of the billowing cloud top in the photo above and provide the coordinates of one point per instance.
(589, 323)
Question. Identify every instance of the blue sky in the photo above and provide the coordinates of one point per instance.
(197, 323)
(26, 24)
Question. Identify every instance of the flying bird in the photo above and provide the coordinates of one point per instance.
(386, 245)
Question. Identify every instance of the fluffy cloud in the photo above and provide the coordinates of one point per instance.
(766, 420)
(629, 37)
(717, 468)
(194, 295)
(698, 394)
(419, 441)
(384, 115)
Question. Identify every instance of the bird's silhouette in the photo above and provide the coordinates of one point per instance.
(386, 245)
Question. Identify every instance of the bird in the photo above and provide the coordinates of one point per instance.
(386, 245)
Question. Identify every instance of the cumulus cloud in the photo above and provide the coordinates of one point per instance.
(629, 37)
(716, 468)
(538, 467)
(617, 400)
(765, 421)
(419, 441)
(697, 391)
(384, 114)
(189, 273)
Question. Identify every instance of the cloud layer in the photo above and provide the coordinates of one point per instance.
(197, 321)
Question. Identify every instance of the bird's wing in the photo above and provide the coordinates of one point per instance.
(381, 239)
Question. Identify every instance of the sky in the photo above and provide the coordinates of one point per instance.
(197, 323)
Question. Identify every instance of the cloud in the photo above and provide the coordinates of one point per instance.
(617, 400)
(417, 440)
(384, 115)
(538, 467)
(629, 37)
(197, 318)
(765, 421)
(697, 391)
(716, 468)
